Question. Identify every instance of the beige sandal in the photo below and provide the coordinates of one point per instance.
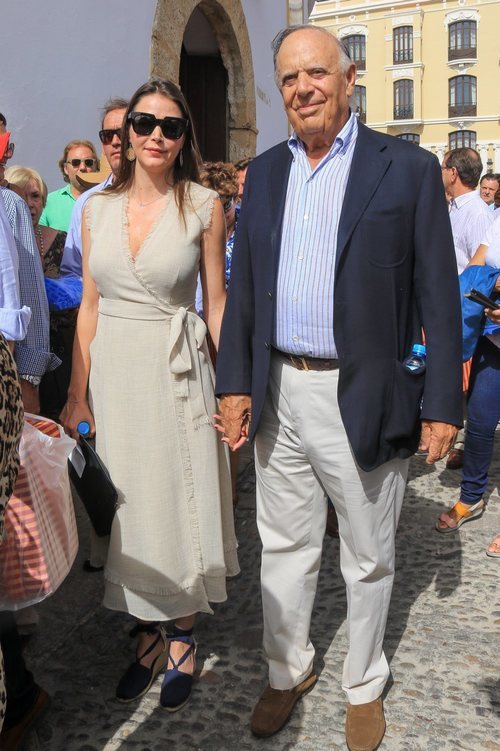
(493, 549)
(451, 520)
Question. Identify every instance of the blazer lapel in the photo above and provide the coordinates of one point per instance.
(278, 182)
(370, 162)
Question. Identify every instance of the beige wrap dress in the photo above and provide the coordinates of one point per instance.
(172, 543)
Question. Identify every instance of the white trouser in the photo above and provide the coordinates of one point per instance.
(301, 452)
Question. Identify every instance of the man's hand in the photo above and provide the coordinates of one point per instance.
(234, 419)
(31, 399)
(437, 438)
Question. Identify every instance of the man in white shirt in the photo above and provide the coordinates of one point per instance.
(469, 215)
(109, 135)
(470, 219)
(488, 186)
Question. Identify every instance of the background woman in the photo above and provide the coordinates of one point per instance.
(483, 412)
(151, 390)
(54, 386)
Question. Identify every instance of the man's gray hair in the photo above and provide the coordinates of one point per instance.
(114, 103)
(344, 56)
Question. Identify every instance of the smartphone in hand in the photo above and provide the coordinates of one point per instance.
(486, 302)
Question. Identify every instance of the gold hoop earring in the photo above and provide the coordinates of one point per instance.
(130, 154)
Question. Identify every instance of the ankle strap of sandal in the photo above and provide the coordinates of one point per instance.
(144, 628)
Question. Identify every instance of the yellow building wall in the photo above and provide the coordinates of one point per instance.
(430, 70)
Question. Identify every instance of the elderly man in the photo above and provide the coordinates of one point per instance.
(333, 279)
(109, 135)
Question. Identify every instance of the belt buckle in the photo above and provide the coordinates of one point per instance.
(305, 366)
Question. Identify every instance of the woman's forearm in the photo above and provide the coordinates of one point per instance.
(85, 332)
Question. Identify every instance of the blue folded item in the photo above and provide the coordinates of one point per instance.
(482, 278)
(64, 293)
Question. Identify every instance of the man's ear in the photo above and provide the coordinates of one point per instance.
(351, 79)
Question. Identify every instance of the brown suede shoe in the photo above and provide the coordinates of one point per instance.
(13, 738)
(364, 726)
(274, 707)
(455, 459)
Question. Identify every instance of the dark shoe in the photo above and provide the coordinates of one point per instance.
(90, 569)
(274, 707)
(332, 524)
(455, 459)
(138, 679)
(365, 726)
(177, 685)
(13, 738)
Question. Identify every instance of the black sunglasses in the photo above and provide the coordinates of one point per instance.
(143, 123)
(76, 162)
(107, 134)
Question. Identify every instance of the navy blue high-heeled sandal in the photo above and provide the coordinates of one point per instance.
(176, 686)
(138, 679)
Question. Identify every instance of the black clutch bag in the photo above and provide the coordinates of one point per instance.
(94, 486)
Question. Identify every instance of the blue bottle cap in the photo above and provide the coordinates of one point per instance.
(83, 428)
(419, 349)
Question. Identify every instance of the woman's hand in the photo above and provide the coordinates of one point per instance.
(493, 315)
(74, 413)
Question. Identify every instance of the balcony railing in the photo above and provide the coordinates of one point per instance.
(360, 64)
(403, 113)
(404, 56)
(460, 110)
(462, 53)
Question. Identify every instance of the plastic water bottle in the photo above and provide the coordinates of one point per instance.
(83, 428)
(415, 362)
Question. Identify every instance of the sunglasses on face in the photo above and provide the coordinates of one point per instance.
(144, 124)
(77, 162)
(107, 134)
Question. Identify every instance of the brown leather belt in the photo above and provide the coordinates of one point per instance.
(310, 363)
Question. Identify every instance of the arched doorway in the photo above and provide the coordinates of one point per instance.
(203, 80)
(224, 35)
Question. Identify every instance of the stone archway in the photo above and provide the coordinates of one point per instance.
(229, 27)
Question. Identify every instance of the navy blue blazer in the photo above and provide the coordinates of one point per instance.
(395, 273)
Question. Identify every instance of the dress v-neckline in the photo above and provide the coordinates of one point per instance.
(126, 233)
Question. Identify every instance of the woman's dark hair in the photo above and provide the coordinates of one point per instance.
(183, 173)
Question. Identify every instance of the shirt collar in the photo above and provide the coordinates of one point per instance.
(66, 191)
(460, 201)
(339, 146)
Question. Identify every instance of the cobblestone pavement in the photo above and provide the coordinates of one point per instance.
(442, 642)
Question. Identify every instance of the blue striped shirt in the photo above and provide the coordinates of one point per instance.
(304, 294)
(33, 355)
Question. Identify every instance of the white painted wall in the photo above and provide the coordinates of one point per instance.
(264, 19)
(62, 59)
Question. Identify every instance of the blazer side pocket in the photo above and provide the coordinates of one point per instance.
(404, 403)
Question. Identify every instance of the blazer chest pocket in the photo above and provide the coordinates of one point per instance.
(405, 403)
(385, 239)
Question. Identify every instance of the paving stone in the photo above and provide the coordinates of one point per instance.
(442, 642)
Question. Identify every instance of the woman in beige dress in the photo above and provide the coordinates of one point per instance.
(141, 355)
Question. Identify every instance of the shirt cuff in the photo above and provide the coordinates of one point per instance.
(14, 323)
(35, 362)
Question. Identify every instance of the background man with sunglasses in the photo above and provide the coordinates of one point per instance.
(78, 156)
(109, 135)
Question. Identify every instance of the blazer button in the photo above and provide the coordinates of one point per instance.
(266, 344)
(270, 295)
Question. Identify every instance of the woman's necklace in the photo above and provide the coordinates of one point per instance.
(39, 235)
(148, 203)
